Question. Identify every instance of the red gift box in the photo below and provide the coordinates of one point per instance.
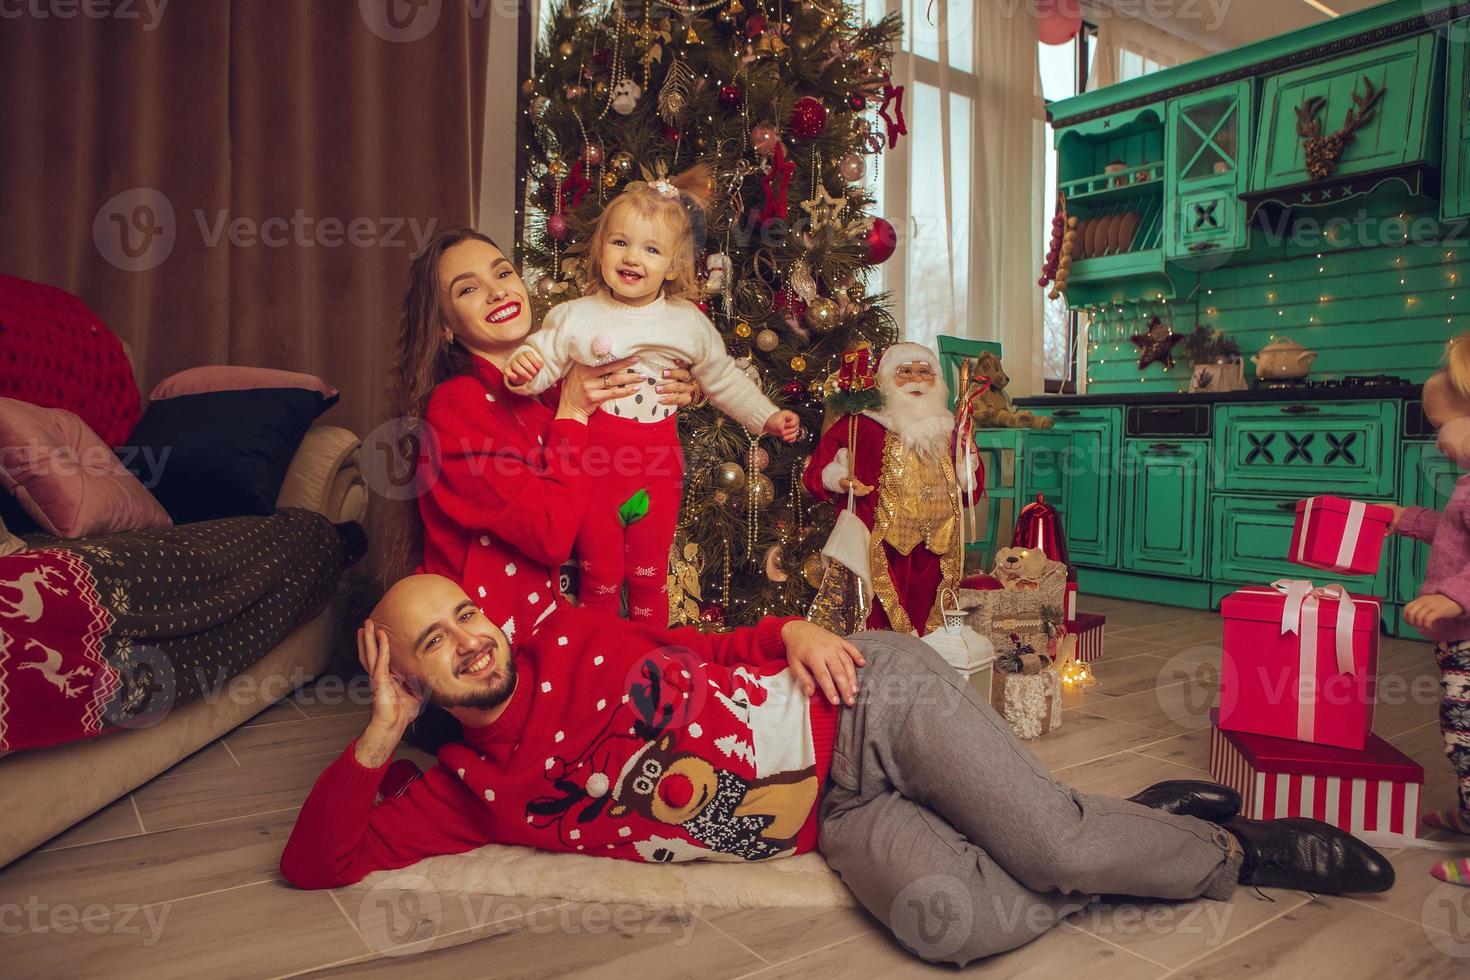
(1373, 790)
(1089, 630)
(1338, 535)
(1300, 662)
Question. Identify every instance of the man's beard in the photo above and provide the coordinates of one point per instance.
(923, 422)
(492, 696)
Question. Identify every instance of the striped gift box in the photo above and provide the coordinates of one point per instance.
(1373, 790)
(1089, 630)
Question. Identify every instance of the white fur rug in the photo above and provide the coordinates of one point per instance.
(803, 881)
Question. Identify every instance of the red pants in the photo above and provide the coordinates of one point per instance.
(916, 578)
(623, 457)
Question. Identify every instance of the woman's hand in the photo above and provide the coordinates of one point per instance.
(679, 387)
(585, 388)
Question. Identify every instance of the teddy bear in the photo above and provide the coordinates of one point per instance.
(1020, 568)
(994, 409)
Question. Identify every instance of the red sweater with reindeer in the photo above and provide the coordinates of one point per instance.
(622, 739)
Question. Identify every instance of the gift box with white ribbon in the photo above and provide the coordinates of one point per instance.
(1089, 630)
(1375, 790)
(1300, 662)
(1339, 535)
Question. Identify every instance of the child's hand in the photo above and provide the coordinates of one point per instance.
(1427, 610)
(785, 424)
(524, 366)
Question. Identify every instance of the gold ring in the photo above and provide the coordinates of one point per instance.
(607, 381)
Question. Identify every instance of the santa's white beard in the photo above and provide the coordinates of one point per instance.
(922, 421)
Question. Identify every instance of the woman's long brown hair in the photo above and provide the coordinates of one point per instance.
(424, 361)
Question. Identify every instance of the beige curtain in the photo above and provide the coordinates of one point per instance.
(244, 181)
(1120, 35)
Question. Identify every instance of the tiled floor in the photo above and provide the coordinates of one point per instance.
(179, 878)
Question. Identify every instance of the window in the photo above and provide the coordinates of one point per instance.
(1064, 70)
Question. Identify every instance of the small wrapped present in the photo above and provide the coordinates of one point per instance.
(1338, 535)
(1300, 662)
(1030, 703)
(1088, 628)
(1374, 790)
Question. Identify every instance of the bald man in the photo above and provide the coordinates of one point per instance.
(601, 736)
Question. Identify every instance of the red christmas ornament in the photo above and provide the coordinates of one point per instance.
(556, 227)
(671, 133)
(730, 96)
(1039, 527)
(788, 302)
(858, 103)
(882, 241)
(574, 187)
(775, 185)
(808, 118)
(703, 307)
(981, 583)
(712, 614)
(895, 125)
(794, 392)
(754, 26)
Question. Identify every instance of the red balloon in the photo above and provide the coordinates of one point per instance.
(1058, 21)
(882, 241)
(808, 118)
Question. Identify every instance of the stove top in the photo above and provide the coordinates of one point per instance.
(1346, 381)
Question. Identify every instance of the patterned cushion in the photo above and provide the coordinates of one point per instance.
(56, 353)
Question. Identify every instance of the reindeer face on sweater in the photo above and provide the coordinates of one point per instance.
(665, 785)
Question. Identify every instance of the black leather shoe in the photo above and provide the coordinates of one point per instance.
(1308, 855)
(1191, 798)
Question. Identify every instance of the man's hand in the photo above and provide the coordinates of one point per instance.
(1427, 610)
(786, 424)
(394, 705)
(819, 658)
(859, 488)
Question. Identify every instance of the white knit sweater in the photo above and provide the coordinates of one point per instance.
(598, 329)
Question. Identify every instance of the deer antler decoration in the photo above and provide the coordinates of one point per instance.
(1325, 152)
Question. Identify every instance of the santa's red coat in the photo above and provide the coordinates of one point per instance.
(917, 575)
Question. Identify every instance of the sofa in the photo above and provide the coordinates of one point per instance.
(322, 497)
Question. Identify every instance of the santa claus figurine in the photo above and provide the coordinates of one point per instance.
(899, 462)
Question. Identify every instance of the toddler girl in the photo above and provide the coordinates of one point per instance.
(1440, 611)
(640, 278)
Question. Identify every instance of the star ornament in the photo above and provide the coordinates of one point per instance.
(1156, 345)
(894, 125)
(823, 208)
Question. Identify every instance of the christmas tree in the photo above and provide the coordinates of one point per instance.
(788, 104)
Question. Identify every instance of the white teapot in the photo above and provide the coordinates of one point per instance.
(1282, 360)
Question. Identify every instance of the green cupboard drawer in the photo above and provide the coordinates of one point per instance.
(1165, 497)
(1345, 448)
(1400, 132)
(1251, 537)
(1075, 466)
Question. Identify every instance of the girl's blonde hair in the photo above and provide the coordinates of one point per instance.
(1457, 365)
(666, 200)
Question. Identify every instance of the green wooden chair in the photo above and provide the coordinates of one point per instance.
(999, 452)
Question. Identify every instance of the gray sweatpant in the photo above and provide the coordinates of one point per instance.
(951, 832)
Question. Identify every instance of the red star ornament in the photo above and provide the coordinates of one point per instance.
(1156, 345)
(575, 186)
(895, 125)
(775, 184)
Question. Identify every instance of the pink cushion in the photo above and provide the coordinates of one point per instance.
(66, 478)
(222, 377)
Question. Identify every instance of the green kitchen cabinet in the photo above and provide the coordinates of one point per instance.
(1205, 166)
(1075, 466)
(1349, 446)
(1251, 537)
(1404, 129)
(1429, 480)
(1165, 494)
(1455, 187)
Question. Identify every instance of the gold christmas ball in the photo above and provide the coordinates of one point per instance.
(742, 329)
(729, 476)
(798, 364)
(803, 43)
(721, 497)
(600, 90)
(762, 490)
(609, 179)
(821, 315)
(762, 458)
(565, 48)
(827, 21)
(543, 286)
(767, 340)
(557, 168)
(622, 163)
(811, 569)
(528, 88)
